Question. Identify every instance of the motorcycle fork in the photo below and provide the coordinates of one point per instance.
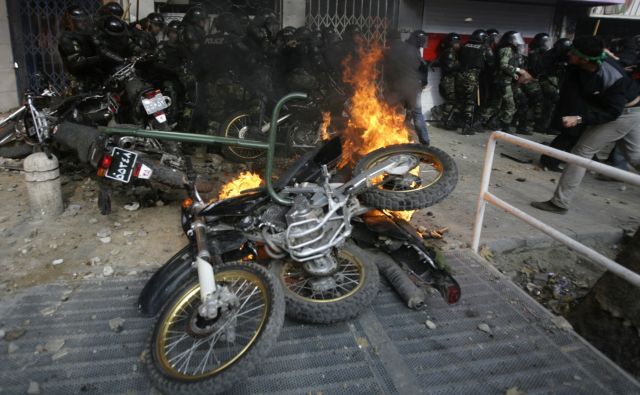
(206, 277)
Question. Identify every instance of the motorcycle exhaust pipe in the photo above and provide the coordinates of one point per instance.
(410, 293)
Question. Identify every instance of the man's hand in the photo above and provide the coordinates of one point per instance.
(571, 121)
(524, 77)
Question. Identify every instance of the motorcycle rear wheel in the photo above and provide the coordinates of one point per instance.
(436, 179)
(233, 128)
(15, 149)
(189, 354)
(357, 281)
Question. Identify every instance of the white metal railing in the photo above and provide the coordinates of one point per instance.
(486, 196)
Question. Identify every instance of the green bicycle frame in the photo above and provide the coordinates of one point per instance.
(205, 139)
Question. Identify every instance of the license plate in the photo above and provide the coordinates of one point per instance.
(154, 104)
(122, 165)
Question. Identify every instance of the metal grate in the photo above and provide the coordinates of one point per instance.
(35, 27)
(386, 350)
(374, 17)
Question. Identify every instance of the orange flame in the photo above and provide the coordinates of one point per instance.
(373, 123)
(326, 121)
(244, 181)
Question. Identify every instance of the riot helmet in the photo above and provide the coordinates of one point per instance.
(478, 37)
(563, 45)
(514, 40)
(172, 31)
(196, 16)
(112, 8)
(285, 37)
(173, 26)
(418, 38)
(114, 26)
(541, 41)
(493, 34)
(451, 40)
(76, 19)
(155, 22)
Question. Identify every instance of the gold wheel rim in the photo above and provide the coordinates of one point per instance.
(173, 331)
(295, 280)
(425, 158)
(246, 153)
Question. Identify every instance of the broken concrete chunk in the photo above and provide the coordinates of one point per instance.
(116, 324)
(34, 388)
(430, 324)
(484, 328)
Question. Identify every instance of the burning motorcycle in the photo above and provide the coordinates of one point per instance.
(304, 242)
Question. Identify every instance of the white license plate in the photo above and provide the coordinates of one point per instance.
(154, 104)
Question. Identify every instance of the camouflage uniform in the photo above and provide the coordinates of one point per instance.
(530, 108)
(503, 106)
(473, 59)
(450, 66)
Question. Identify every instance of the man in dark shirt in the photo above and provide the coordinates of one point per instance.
(610, 114)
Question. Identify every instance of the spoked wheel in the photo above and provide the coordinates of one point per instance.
(433, 179)
(324, 300)
(237, 127)
(191, 354)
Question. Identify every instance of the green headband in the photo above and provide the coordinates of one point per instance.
(597, 59)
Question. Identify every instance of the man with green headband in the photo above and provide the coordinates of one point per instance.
(609, 110)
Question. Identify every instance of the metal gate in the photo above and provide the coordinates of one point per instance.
(374, 17)
(35, 28)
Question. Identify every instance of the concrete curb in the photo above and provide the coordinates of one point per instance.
(605, 234)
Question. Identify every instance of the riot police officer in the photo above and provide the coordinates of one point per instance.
(531, 101)
(509, 74)
(473, 58)
(169, 50)
(144, 39)
(449, 65)
(77, 50)
(192, 32)
(113, 43)
(112, 8)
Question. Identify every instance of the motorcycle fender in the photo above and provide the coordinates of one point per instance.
(167, 280)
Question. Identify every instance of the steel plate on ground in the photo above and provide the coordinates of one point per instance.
(388, 349)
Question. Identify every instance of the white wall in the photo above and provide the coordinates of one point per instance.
(444, 16)
(8, 88)
(293, 13)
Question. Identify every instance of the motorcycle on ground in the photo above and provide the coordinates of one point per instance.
(302, 245)
(49, 122)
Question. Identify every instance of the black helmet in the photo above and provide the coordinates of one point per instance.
(75, 18)
(493, 32)
(563, 45)
(511, 39)
(113, 8)
(155, 19)
(450, 39)
(114, 26)
(478, 37)
(194, 15)
(541, 40)
(418, 38)
(173, 26)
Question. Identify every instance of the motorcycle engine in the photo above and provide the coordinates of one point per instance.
(303, 136)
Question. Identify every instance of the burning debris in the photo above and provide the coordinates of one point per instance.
(243, 182)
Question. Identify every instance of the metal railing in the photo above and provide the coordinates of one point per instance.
(486, 196)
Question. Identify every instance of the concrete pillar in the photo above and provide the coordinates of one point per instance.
(8, 87)
(293, 13)
(43, 185)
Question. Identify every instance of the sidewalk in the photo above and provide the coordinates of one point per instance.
(601, 209)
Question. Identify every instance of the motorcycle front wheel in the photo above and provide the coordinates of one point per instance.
(351, 288)
(236, 126)
(190, 354)
(432, 180)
